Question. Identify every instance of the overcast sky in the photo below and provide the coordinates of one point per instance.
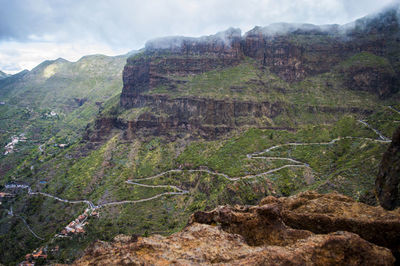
(32, 31)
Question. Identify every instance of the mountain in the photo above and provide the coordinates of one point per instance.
(218, 83)
(135, 144)
(55, 100)
(3, 75)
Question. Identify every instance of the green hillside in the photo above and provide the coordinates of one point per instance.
(233, 169)
(54, 102)
(81, 166)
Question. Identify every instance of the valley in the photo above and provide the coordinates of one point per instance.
(134, 144)
(168, 182)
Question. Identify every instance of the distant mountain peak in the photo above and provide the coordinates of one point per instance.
(3, 75)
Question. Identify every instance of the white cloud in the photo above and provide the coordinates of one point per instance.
(16, 56)
(35, 30)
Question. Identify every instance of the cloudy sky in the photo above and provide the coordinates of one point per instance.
(32, 31)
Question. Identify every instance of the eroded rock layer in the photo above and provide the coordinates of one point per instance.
(273, 233)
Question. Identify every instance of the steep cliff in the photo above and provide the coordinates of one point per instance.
(178, 56)
(173, 77)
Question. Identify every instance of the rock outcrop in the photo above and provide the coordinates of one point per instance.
(387, 181)
(307, 229)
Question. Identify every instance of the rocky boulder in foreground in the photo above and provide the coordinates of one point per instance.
(268, 234)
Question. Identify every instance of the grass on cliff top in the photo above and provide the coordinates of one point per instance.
(366, 59)
(249, 81)
(230, 83)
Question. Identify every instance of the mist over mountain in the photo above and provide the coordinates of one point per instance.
(32, 32)
(101, 156)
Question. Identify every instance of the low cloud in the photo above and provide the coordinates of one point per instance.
(16, 56)
(34, 30)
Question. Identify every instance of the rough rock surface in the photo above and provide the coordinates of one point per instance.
(269, 234)
(332, 212)
(206, 117)
(387, 181)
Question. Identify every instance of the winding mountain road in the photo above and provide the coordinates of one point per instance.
(179, 191)
(29, 228)
(333, 141)
(11, 214)
(143, 200)
(382, 137)
(222, 174)
(156, 186)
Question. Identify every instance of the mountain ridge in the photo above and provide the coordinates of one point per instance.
(3, 75)
(158, 78)
(200, 123)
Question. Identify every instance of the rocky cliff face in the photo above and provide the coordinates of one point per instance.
(292, 52)
(208, 117)
(179, 56)
(388, 179)
(370, 79)
(273, 233)
(300, 51)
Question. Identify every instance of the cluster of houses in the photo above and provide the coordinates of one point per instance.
(14, 140)
(73, 228)
(40, 253)
(77, 225)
